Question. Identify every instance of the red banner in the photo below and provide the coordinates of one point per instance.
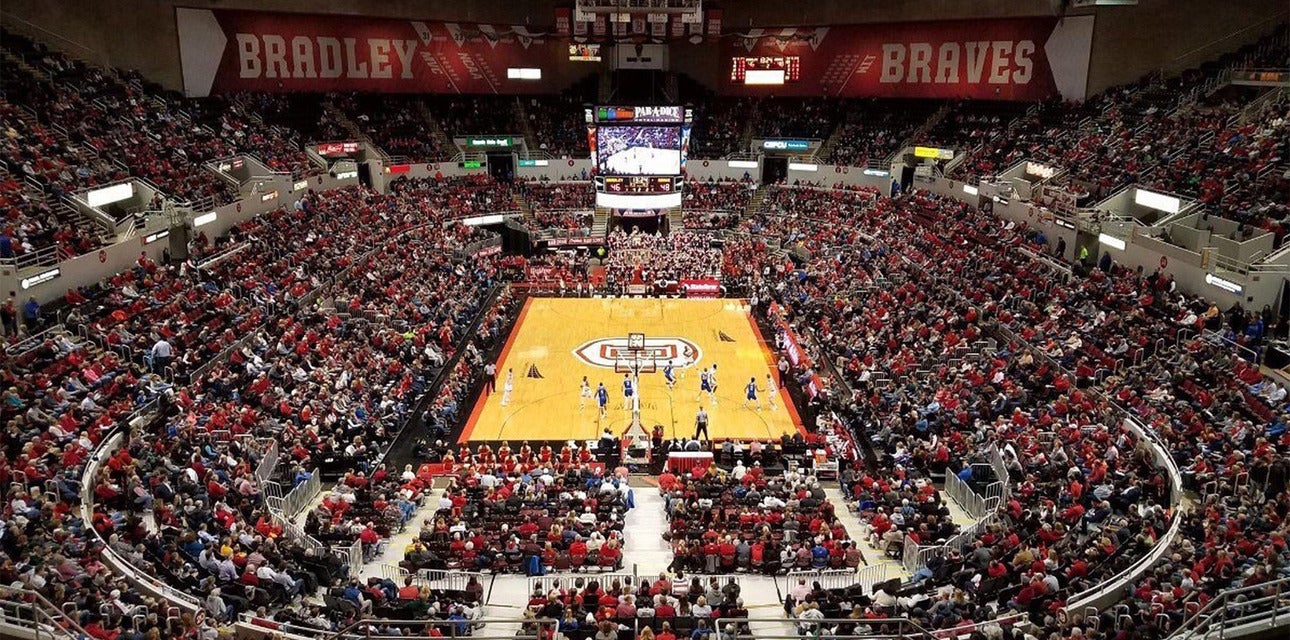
(328, 149)
(714, 23)
(563, 15)
(997, 59)
(226, 51)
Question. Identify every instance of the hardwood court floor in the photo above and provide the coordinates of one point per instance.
(558, 341)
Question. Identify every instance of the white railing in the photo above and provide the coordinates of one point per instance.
(268, 462)
(975, 504)
(915, 556)
(119, 565)
(866, 577)
(302, 495)
(42, 257)
(547, 584)
(1251, 609)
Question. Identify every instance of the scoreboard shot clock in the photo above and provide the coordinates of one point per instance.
(765, 70)
(638, 184)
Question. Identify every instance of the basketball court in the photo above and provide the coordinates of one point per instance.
(557, 341)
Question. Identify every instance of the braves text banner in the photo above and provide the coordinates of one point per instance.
(225, 51)
(1004, 59)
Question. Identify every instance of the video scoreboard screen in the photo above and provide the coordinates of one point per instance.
(640, 154)
(765, 69)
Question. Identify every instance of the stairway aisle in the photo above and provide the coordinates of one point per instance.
(393, 552)
(643, 529)
(859, 532)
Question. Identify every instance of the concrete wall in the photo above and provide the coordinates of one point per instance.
(427, 170)
(703, 170)
(559, 169)
(1127, 41)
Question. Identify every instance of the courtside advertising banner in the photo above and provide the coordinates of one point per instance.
(997, 59)
(225, 50)
(701, 288)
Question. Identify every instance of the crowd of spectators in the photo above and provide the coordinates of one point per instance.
(528, 510)
(874, 129)
(640, 257)
(719, 126)
(558, 122)
(493, 115)
(670, 606)
(801, 118)
(341, 307)
(718, 195)
(396, 124)
(332, 388)
(1155, 132)
(1088, 498)
(304, 114)
(562, 206)
(751, 520)
(38, 170)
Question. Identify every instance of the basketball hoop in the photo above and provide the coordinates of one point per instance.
(635, 361)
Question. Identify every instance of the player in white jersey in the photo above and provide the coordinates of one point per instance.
(584, 393)
(508, 387)
(770, 391)
(712, 377)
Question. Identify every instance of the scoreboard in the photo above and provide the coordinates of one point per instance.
(765, 69)
(639, 184)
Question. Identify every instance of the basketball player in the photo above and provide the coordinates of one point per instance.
(668, 375)
(751, 394)
(770, 391)
(602, 398)
(627, 392)
(705, 386)
(712, 377)
(508, 387)
(584, 393)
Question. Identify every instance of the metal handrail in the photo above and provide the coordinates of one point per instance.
(46, 617)
(1216, 610)
(447, 626)
(42, 257)
(904, 627)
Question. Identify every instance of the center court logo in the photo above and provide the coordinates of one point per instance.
(603, 352)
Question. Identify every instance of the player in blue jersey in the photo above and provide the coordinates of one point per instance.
(627, 392)
(751, 394)
(706, 386)
(668, 375)
(602, 398)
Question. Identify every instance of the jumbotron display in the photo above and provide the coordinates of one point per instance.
(639, 151)
(765, 69)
